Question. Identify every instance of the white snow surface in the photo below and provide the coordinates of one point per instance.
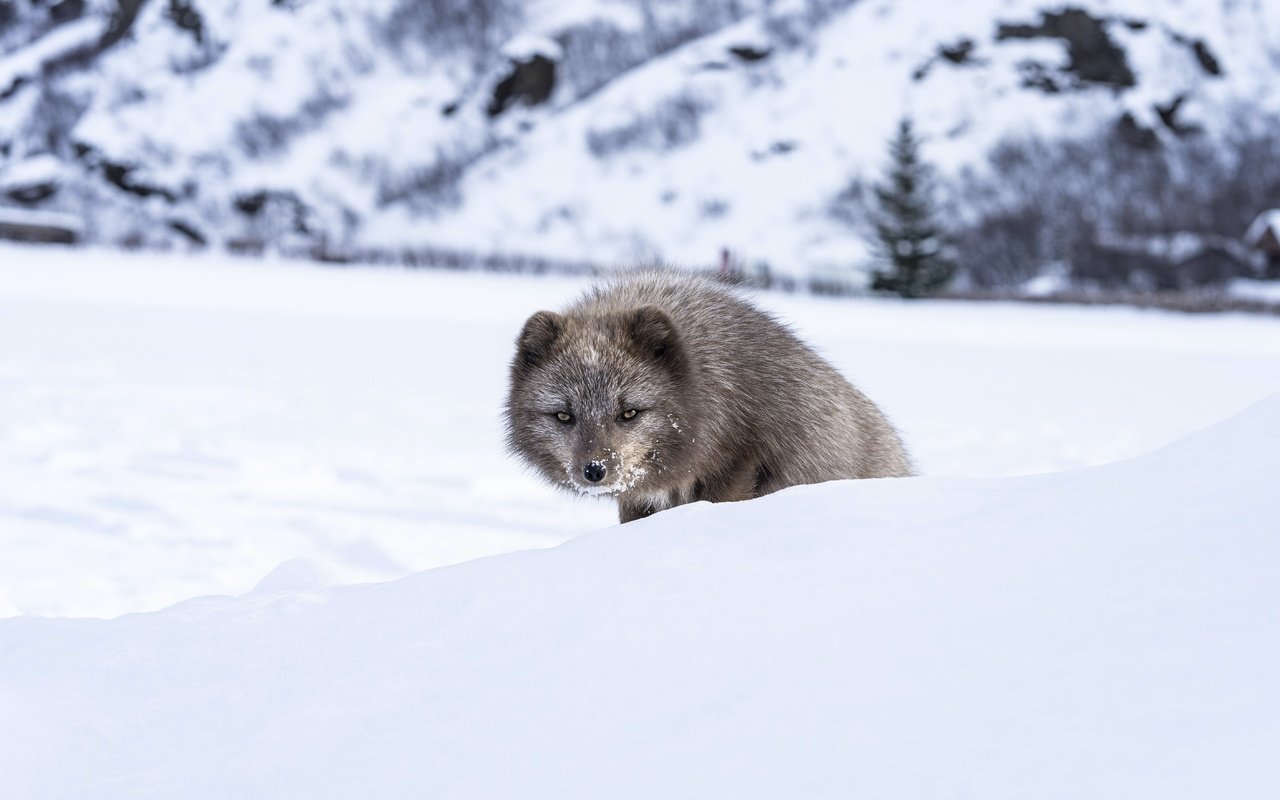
(12, 215)
(1266, 221)
(172, 428)
(1107, 632)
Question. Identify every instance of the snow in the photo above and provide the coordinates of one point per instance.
(1266, 221)
(1101, 632)
(12, 215)
(39, 169)
(26, 62)
(525, 46)
(1248, 289)
(179, 427)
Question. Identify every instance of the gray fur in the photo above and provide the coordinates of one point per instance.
(731, 404)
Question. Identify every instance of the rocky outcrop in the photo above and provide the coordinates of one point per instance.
(1093, 57)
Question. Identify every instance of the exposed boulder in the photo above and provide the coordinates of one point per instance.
(1168, 114)
(531, 73)
(750, 53)
(32, 181)
(1093, 57)
(529, 82)
(1135, 134)
(1205, 57)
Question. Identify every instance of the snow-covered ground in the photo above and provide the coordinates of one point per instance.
(173, 428)
(1104, 633)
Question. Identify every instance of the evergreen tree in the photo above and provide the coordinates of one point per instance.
(905, 225)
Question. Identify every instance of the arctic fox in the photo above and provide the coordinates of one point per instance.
(658, 389)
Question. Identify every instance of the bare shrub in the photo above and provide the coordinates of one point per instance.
(1093, 203)
(673, 122)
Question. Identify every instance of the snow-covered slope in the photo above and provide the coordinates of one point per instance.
(172, 428)
(656, 127)
(1109, 632)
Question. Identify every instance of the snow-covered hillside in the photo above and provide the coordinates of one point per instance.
(1107, 633)
(172, 428)
(601, 130)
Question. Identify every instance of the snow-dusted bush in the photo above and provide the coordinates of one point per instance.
(475, 27)
(425, 188)
(262, 134)
(672, 122)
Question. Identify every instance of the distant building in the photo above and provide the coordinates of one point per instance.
(1264, 235)
(45, 227)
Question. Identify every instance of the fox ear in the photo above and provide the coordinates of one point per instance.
(538, 337)
(654, 335)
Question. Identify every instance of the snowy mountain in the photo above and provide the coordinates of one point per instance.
(597, 130)
(1108, 632)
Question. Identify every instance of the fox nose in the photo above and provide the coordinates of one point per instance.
(594, 472)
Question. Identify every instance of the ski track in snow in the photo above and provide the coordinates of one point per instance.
(179, 427)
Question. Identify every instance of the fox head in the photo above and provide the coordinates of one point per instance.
(597, 402)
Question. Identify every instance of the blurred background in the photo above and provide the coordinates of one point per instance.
(1114, 149)
(262, 261)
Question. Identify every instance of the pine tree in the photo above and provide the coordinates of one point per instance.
(905, 223)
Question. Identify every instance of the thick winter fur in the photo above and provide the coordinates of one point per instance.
(729, 403)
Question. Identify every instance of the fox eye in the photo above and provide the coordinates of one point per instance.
(630, 413)
(564, 416)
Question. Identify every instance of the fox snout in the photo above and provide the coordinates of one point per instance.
(595, 471)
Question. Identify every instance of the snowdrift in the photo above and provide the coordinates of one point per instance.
(1109, 632)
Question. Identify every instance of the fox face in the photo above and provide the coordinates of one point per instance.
(597, 402)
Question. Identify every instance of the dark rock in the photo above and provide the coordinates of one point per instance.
(33, 193)
(959, 53)
(9, 91)
(778, 148)
(1203, 55)
(279, 204)
(1135, 135)
(1208, 62)
(748, 53)
(37, 232)
(1040, 77)
(191, 234)
(121, 23)
(1169, 116)
(185, 16)
(66, 11)
(529, 82)
(250, 204)
(1093, 58)
(119, 176)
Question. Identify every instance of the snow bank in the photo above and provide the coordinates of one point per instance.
(26, 63)
(12, 215)
(1266, 221)
(1108, 632)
